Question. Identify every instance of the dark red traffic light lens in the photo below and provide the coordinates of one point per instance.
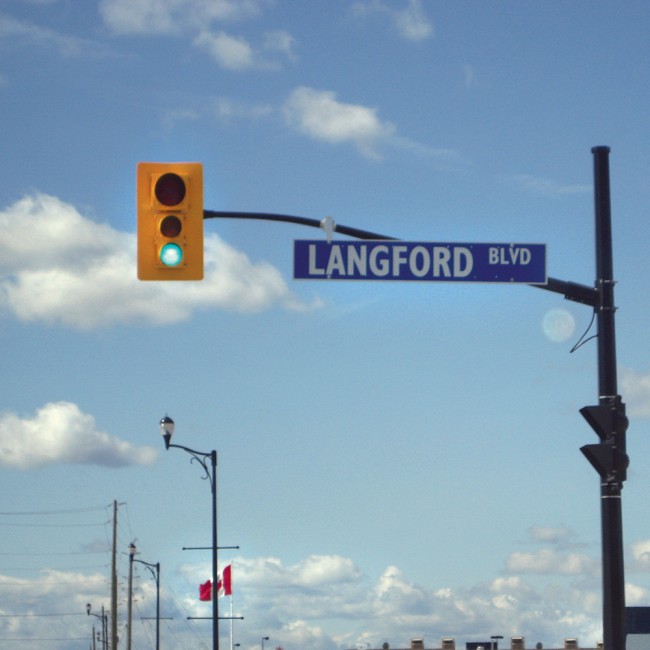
(170, 189)
(171, 226)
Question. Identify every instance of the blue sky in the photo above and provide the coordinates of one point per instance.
(396, 460)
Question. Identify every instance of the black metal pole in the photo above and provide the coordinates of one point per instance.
(215, 595)
(156, 576)
(167, 427)
(611, 484)
(157, 605)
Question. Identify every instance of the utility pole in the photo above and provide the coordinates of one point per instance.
(114, 582)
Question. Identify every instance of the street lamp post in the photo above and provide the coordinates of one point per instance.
(167, 429)
(155, 572)
(264, 638)
(129, 598)
(103, 617)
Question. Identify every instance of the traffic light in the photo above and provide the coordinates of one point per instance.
(609, 421)
(170, 221)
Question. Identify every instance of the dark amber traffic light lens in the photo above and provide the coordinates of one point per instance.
(171, 226)
(170, 189)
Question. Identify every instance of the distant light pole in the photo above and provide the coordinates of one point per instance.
(495, 641)
(167, 429)
(156, 576)
(264, 638)
(129, 598)
(103, 617)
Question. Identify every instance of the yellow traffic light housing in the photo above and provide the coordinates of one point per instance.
(170, 221)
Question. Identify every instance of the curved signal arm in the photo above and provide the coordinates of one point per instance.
(571, 290)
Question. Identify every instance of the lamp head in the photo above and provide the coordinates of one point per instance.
(88, 608)
(167, 429)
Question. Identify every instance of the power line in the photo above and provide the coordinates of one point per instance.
(39, 615)
(2, 523)
(53, 512)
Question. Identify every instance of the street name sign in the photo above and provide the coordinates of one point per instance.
(317, 259)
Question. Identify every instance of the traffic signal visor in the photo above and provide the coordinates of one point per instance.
(170, 221)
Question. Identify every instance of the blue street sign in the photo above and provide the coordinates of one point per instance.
(316, 259)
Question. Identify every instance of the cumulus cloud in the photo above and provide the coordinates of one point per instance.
(319, 114)
(271, 573)
(61, 433)
(330, 601)
(635, 388)
(81, 274)
(324, 602)
(550, 561)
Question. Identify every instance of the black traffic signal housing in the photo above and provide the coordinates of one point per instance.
(609, 458)
(170, 221)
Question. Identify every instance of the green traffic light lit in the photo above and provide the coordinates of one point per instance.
(171, 254)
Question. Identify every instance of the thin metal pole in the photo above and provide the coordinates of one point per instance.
(611, 486)
(215, 595)
(113, 643)
(157, 605)
(129, 601)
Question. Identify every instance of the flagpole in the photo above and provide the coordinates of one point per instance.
(231, 616)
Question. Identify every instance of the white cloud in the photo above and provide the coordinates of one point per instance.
(236, 53)
(60, 267)
(60, 433)
(230, 52)
(338, 606)
(636, 595)
(550, 534)
(197, 18)
(549, 561)
(411, 23)
(635, 389)
(172, 16)
(641, 555)
(315, 571)
(325, 602)
(320, 115)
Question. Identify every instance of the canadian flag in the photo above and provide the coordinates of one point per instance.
(224, 581)
(224, 585)
(205, 591)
